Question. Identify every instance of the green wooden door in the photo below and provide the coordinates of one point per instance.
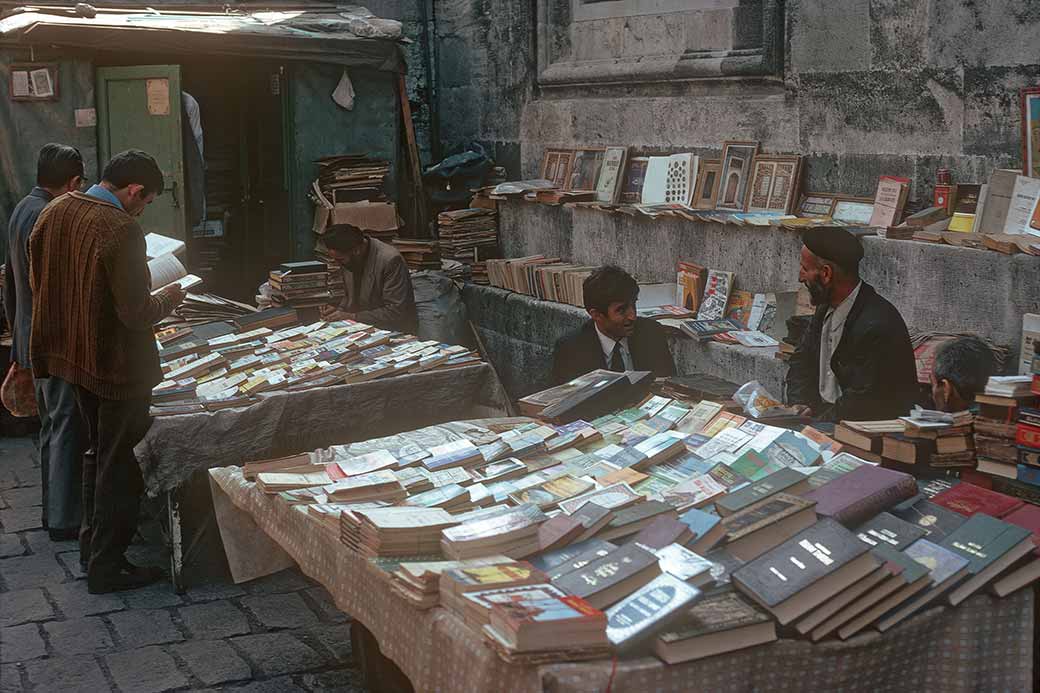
(140, 108)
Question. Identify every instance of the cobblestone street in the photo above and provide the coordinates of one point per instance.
(280, 633)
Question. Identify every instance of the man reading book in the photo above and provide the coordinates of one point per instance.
(376, 281)
(960, 371)
(613, 338)
(94, 328)
(855, 361)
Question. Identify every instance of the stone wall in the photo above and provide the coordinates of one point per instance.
(898, 87)
(937, 288)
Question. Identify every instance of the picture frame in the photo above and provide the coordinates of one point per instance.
(854, 211)
(585, 167)
(632, 182)
(611, 175)
(774, 183)
(33, 82)
(556, 166)
(817, 204)
(1030, 102)
(706, 192)
(737, 160)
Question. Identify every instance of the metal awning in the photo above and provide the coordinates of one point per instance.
(351, 37)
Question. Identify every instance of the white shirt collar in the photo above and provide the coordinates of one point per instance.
(607, 343)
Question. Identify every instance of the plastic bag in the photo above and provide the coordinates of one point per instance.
(759, 403)
(17, 392)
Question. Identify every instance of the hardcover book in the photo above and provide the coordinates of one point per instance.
(945, 569)
(862, 493)
(680, 562)
(784, 480)
(608, 579)
(765, 524)
(969, 499)
(888, 530)
(630, 520)
(936, 520)
(706, 529)
(805, 570)
(648, 610)
(714, 625)
(991, 546)
(550, 560)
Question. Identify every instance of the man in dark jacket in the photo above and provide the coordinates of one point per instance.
(376, 281)
(855, 361)
(59, 169)
(614, 338)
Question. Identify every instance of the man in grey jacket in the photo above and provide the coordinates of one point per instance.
(59, 170)
(376, 281)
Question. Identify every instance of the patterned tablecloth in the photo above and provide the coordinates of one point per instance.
(286, 423)
(985, 644)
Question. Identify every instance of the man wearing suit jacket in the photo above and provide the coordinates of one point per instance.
(614, 338)
(376, 281)
(855, 361)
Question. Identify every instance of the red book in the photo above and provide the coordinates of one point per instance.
(854, 498)
(1027, 517)
(968, 499)
(1028, 436)
(335, 472)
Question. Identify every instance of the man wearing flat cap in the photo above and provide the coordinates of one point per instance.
(855, 361)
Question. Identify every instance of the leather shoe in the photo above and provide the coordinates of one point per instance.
(128, 577)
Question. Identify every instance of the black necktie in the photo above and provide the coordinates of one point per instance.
(616, 362)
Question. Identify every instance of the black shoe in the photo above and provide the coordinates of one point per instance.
(63, 534)
(129, 577)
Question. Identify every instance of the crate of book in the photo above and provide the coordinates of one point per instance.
(672, 525)
(304, 285)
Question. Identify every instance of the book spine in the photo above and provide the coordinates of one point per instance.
(871, 505)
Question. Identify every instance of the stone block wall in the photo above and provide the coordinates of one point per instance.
(899, 87)
(937, 288)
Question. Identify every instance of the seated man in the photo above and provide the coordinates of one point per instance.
(961, 370)
(614, 338)
(376, 279)
(855, 361)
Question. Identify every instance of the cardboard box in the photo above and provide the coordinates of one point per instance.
(367, 216)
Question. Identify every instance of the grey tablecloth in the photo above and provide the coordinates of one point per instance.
(287, 423)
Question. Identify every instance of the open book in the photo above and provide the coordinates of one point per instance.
(157, 246)
(166, 270)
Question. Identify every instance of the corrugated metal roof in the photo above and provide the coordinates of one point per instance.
(352, 36)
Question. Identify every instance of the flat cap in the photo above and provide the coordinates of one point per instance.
(834, 244)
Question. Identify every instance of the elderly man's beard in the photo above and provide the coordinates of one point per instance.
(818, 293)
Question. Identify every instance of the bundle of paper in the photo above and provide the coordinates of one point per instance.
(514, 534)
(381, 485)
(547, 630)
(400, 531)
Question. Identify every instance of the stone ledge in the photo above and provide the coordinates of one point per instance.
(519, 333)
(935, 287)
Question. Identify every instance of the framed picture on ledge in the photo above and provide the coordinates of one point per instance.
(1031, 132)
(737, 158)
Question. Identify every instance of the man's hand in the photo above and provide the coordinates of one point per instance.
(332, 314)
(803, 410)
(175, 294)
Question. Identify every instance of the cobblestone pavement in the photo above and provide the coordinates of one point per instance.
(280, 634)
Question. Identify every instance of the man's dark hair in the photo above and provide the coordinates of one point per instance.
(343, 237)
(57, 165)
(609, 284)
(967, 363)
(134, 167)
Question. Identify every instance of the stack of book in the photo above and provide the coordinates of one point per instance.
(395, 531)
(303, 284)
(549, 279)
(938, 439)
(419, 581)
(558, 628)
(865, 439)
(1027, 437)
(513, 533)
(419, 255)
(462, 580)
(469, 236)
(996, 426)
(350, 178)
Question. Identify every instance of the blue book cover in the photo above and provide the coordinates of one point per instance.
(792, 450)
(941, 562)
(699, 521)
(1029, 475)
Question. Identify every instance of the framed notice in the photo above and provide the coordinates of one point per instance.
(1031, 132)
(33, 82)
(585, 168)
(737, 158)
(817, 205)
(556, 166)
(706, 194)
(854, 211)
(774, 183)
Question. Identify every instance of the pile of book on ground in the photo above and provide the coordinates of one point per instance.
(419, 255)
(350, 178)
(620, 519)
(469, 236)
(305, 285)
(229, 364)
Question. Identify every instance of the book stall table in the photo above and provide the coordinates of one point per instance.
(286, 422)
(983, 644)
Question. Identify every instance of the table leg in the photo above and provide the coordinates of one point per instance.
(176, 549)
(379, 672)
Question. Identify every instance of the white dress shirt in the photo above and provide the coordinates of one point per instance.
(607, 344)
(830, 336)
